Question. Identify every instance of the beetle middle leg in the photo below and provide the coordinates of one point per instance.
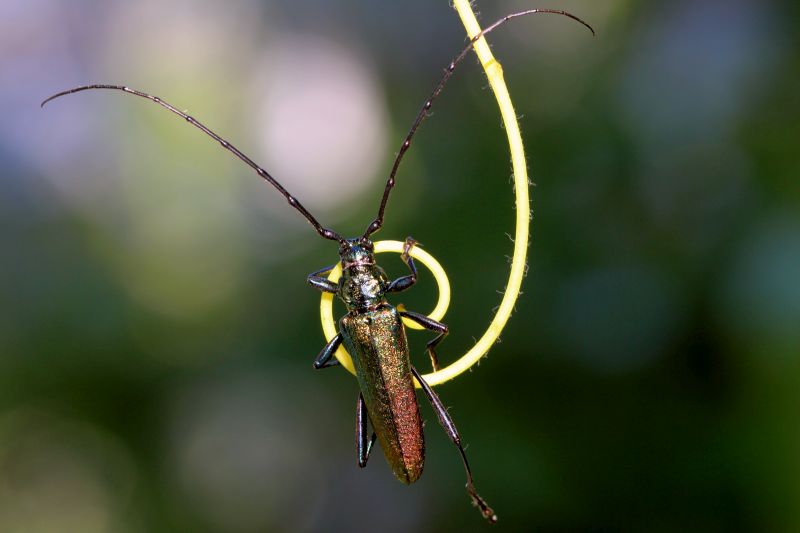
(363, 446)
(449, 427)
(432, 325)
(326, 359)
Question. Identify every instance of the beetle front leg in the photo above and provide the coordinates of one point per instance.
(326, 359)
(403, 283)
(363, 446)
(449, 427)
(317, 279)
(432, 325)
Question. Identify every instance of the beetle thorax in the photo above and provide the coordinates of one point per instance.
(363, 283)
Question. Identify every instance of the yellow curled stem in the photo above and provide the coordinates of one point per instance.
(494, 72)
(519, 260)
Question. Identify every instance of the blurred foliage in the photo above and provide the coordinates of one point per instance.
(157, 333)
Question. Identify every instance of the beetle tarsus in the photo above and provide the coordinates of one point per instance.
(403, 283)
(480, 503)
(407, 246)
(487, 512)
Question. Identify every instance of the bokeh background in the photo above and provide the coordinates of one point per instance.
(157, 332)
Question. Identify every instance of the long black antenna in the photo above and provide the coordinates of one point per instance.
(324, 232)
(376, 224)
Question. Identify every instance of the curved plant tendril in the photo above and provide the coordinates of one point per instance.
(494, 71)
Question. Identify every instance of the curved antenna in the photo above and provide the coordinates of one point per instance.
(324, 232)
(376, 224)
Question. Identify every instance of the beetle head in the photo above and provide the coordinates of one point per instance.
(357, 252)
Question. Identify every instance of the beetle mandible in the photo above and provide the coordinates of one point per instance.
(372, 330)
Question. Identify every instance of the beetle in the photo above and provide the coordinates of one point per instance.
(372, 330)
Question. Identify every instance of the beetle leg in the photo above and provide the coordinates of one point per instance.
(363, 446)
(403, 283)
(449, 426)
(432, 325)
(325, 358)
(317, 279)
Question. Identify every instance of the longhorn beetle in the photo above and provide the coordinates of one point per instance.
(372, 330)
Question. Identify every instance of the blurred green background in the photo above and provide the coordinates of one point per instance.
(157, 332)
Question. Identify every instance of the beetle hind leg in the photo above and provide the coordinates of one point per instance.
(431, 325)
(363, 446)
(326, 358)
(450, 428)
